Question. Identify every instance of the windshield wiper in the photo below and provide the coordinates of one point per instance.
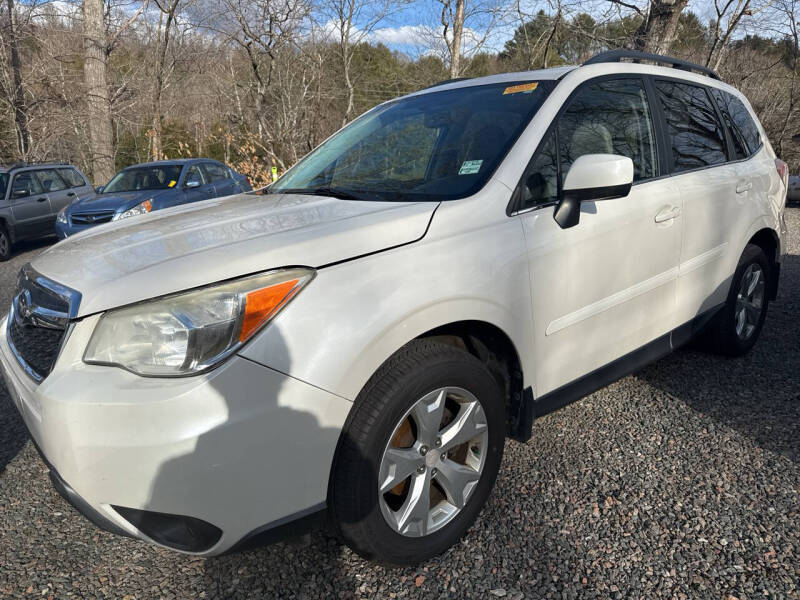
(329, 191)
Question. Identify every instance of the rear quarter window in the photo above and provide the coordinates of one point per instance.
(695, 133)
(72, 177)
(744, 131)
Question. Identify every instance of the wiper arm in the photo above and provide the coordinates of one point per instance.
(332, 192)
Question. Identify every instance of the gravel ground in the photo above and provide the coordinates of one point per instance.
(682, 481)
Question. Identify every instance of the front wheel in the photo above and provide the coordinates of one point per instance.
(5, 244)
(738, 325)
(419, 454)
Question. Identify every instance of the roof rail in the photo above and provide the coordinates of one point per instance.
(635, 56)
(23, 164)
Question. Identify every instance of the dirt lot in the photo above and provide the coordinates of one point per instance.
(682, 481)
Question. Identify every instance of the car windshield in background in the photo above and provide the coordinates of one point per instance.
(436, 146)
(158, 177)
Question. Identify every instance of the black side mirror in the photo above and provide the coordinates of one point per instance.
(99, 189)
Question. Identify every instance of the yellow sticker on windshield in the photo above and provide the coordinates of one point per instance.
(524, 87)
(172, 183)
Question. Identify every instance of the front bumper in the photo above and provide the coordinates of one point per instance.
(65, 230)
(243, 448)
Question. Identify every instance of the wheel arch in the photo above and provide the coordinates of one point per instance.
(495, 348)
(767, 239)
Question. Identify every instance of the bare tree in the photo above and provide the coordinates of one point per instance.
(18, 92)
(729, 15)
(353, 22)
(168, 12)
(455, 19)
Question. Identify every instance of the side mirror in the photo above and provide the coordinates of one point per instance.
(192, 183)
(592, 177)
(20, 193)
(99, 189)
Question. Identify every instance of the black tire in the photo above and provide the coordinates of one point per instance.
(417, 369)
(5, 244)
(722, 335)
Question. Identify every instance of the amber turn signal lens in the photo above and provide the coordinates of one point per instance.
(261, 304)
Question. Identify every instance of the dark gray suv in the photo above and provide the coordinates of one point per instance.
(31, 195)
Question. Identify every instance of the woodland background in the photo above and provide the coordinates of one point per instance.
(256, 83)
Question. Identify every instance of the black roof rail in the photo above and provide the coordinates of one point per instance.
(635, 56)
(23, 164)
(444, 82)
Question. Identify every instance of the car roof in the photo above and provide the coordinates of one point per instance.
(44, 165)
(604, 63)
(172, 161)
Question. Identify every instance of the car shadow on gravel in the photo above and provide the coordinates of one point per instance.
(758, 395)
(13, 433)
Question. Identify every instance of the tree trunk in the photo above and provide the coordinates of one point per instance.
(18, 99)
(658, 30)
(455, 46)
(101, 142)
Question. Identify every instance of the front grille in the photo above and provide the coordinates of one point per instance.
(40, 315)
(92, 218)
(37, 346)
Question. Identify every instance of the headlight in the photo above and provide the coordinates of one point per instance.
(190, 332)
(140, 209)
(62, 216)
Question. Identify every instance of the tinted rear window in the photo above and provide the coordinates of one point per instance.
(695, 133)
(72, 177)
(744, 131)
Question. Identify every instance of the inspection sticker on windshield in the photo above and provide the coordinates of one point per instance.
(468, 167)
(525, 87)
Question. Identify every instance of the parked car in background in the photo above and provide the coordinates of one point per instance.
(146, 187)
(32, 195)
(793, 194)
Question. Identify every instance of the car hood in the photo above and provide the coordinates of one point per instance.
(193, 245)
(121, 200)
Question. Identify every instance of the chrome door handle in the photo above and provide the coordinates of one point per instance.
(667, 214)
(743, 187)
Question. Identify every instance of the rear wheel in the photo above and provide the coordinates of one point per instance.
(419, 454)
(5, 244)
(738, 325)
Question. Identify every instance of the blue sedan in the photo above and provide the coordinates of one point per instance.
(151, 186)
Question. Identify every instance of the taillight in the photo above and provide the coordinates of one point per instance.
(783, 171)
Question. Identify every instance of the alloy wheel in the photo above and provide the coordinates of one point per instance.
(750, 301)
(433, 461)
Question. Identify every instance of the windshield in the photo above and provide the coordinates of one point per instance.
(436, 146)
(158, 177)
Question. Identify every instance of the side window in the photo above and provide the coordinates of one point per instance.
(739, 143)
(609, 117)
(24, 185)
(50, 180)
(194, 172)
(694, 130)
(72, 177)
(606, 117)
(741, 125)
(215, 172)
(540, 182)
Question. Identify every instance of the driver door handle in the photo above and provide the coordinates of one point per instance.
(667, 214)
(42, 199)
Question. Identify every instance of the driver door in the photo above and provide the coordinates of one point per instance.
(606, 286)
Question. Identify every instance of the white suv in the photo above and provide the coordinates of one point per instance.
(355, 345)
